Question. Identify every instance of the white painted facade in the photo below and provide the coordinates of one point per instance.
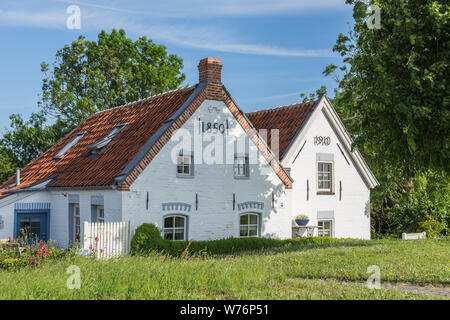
(58, 214)
(212, 215)
(212, 200)
(348, 205)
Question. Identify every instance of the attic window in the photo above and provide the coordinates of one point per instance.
(99, 145)
(68, 146)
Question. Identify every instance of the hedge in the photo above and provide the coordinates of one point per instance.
(148, 239)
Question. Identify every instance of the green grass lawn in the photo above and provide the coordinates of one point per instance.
(311, 272)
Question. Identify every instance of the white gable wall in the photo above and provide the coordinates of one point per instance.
(214, 185)
(352, 212)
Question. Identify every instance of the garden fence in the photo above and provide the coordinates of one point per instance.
(107, 239)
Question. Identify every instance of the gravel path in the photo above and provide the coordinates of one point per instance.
(430, 289)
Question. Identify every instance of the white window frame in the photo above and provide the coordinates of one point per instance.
(100, 212)
(174, 228)
(248, 225)
(181, 162)
(320, 231)
(241, 167)
(76, 222)
(331, 175)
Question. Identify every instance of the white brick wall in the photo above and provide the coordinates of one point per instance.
(7, 209)
(214, 184)
(352, 215)
(59, 214)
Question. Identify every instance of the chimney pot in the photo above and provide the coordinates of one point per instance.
(17, 176)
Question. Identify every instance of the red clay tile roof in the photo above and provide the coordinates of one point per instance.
(76, 168)
(287, 119)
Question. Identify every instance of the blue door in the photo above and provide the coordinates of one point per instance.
(32, 225)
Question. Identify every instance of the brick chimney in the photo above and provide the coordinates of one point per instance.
(210, 71)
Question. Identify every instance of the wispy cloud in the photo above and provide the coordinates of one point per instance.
(207, 8)
(206, 36)
(46, 19)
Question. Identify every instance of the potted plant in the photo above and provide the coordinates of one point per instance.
(302, 220)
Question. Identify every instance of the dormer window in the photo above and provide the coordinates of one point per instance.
(68, 146)
(99, 145)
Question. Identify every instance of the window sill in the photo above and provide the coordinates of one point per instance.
(329, 193)
(184, 176)
(242, 177)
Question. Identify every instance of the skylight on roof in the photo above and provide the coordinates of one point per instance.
(96, 147)
(69, 145)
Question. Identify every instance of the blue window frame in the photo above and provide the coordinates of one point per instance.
(33, 225)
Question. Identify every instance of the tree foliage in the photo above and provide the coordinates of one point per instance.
(27, 139)
(393, 98)
(395, 80)
(89, 76)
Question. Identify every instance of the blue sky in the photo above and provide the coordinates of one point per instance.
(271, 49)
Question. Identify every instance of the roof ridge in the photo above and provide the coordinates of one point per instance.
(298, 104)
(149, 98)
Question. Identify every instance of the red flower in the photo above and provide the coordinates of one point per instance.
(42, 245)
(96, 239)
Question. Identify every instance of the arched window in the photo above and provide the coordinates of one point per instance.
(249, 225)
(175, 228)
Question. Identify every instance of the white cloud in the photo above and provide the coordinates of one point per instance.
(214, 8)
(46, 19)
(206, 35)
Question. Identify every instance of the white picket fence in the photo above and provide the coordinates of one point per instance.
(107, 239)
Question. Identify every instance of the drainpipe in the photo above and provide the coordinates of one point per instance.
(17, 176)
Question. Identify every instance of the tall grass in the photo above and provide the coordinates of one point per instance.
(276, 274)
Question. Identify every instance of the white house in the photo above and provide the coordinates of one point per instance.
(193, 164)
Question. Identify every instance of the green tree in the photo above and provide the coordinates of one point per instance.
(395, 82)
(89, 76)
(27, 139)
(8, 163)
(392, 96)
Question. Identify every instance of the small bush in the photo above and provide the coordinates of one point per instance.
(148, 239)
(33, 254)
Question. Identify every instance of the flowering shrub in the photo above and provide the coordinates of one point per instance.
(20, 255)
(94, 250)
(39, 255)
